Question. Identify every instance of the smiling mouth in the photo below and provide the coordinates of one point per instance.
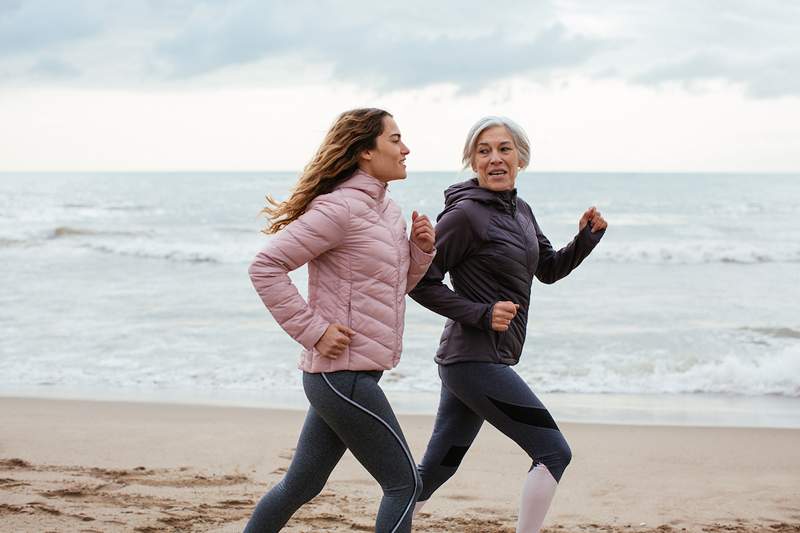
(498, 173)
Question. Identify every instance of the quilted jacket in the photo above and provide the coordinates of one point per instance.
(492, 247)
(361, 264)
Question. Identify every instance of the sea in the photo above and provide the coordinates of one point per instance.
(134, 286)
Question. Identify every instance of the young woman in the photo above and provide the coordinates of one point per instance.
(491, 244)
(361, 264)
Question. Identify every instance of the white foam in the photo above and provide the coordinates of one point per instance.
(773, 372)
(695, 252)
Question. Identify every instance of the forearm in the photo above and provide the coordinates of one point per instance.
(284, 302)
(555, 265)
(419, 263)
(440, 299)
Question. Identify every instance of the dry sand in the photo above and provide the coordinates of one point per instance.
(80, 466)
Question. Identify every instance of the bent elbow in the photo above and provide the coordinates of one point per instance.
(254, 270)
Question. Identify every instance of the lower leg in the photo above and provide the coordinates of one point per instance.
(418, 507)
(454, 429)
(537, 493)
(318, 451)
(498, 394)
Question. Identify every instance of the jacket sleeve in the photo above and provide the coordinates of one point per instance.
(455, 241)
(554, 265)
(420, 262)
(322, 227)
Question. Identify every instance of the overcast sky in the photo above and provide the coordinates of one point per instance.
(253, 85)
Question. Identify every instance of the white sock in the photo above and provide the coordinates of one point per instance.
(418, 508)
(537, 493)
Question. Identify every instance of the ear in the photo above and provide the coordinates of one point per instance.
(365, 155)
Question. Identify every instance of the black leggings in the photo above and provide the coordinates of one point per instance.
(473, 392)
(348, 412)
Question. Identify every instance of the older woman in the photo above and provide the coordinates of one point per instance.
(489, 241)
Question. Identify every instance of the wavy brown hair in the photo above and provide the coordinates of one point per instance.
(336, 160)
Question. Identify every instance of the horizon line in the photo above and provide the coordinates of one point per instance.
(283, 171)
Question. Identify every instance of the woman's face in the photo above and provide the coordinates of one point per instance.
(387, 161)
(496, 159)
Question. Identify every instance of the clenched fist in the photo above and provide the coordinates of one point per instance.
(422, 233)
(592, 215)
(333, 342)
(502, 315)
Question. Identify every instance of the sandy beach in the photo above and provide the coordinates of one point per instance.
(83, 466)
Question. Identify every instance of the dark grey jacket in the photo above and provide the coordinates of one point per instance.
(492, 246)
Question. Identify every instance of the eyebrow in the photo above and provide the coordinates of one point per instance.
(487, 144)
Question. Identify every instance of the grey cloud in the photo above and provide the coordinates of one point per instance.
(397, 51)
(470, 63)
(773, 76)
(388, 46)
(213, 40)
(754, 44)
(53, 68)
(37, 25)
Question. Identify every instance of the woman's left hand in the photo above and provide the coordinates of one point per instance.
(593, 215)
(422, 233)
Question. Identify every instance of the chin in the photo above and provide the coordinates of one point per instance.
(500, 185)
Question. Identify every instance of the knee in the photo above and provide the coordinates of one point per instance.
(556, 459)
(415, 485)
(433, 476)
(565, 453)
(559, 459)
(302, 491)
(418, 484)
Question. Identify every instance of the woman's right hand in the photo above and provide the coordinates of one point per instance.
(502, 315)
(333, 342)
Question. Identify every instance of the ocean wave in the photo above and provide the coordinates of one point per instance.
(8, 243)
(774, 373)
(680, 253)
(238, 230)
(139, 244)
(179, 256)
(68, 231)
(117, 207)
(779, 333)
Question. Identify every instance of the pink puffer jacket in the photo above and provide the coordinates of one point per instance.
(360, 267)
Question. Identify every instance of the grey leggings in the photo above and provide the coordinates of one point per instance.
(348, 411)
(473, 392)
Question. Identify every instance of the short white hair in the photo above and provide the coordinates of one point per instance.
(517, 135)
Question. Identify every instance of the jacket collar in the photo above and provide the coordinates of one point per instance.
(362, 181)
(502, 200)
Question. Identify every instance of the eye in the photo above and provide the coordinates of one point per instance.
(505, 149)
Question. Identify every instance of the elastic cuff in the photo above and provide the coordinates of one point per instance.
(313, 334)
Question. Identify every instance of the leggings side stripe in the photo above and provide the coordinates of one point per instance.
(396, 436)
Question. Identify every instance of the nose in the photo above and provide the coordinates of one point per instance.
(404, 149)
(494, 158)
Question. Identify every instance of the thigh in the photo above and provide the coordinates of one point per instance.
(499, 395)
(318, 451)
(454, 430)
(355, 407)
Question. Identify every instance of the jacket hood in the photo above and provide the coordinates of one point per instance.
(470, 190)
